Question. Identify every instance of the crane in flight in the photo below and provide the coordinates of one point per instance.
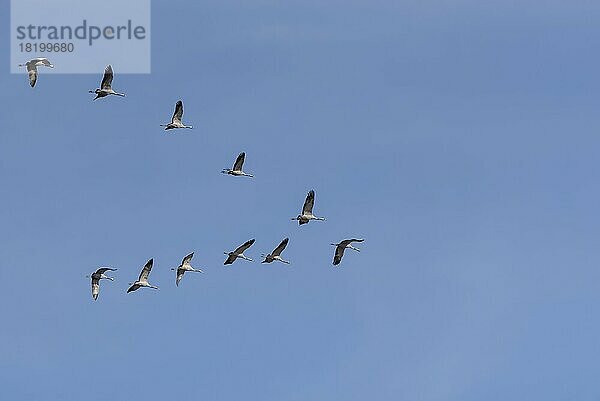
(237, 167)
(32, 66)
(341, 246)
(176, 120)
(307, 210)
(142, 281)
(275, 255)
(96, 277)
(106, 85)
(185, 266)
(239, 252)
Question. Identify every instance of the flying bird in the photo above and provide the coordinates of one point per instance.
(142, 281)
(185, 266)
(275, 255)
(96, 277)
(106, 85)
(307, 214)
(237, 167)
(340, 247)
(176, 119)
(239, 252)
(32, 66)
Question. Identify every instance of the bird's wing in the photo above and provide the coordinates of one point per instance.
(339, 252)
(178, 114)
(146, 271)
(242, 248)
(133, 288)
(108, 77)
(180, 273)
(239, 162)
(45, 62)
(32, 71)
(95, 287)
(187, 259)
(347, 242)
(230, 260)
(277, 251)
(103, 270)
(309, 202)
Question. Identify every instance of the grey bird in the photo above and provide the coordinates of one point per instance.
(237, 169)
(106, 85)
(32, 68)
(185, 266)
(341, 246)
(275, 255)
(239, 252)
(142, 281)
(176, 120)
(96, 277)
(307, 213)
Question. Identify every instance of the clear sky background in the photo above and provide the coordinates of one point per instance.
(459, 138)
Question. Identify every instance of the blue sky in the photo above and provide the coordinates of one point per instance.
(458, 138)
